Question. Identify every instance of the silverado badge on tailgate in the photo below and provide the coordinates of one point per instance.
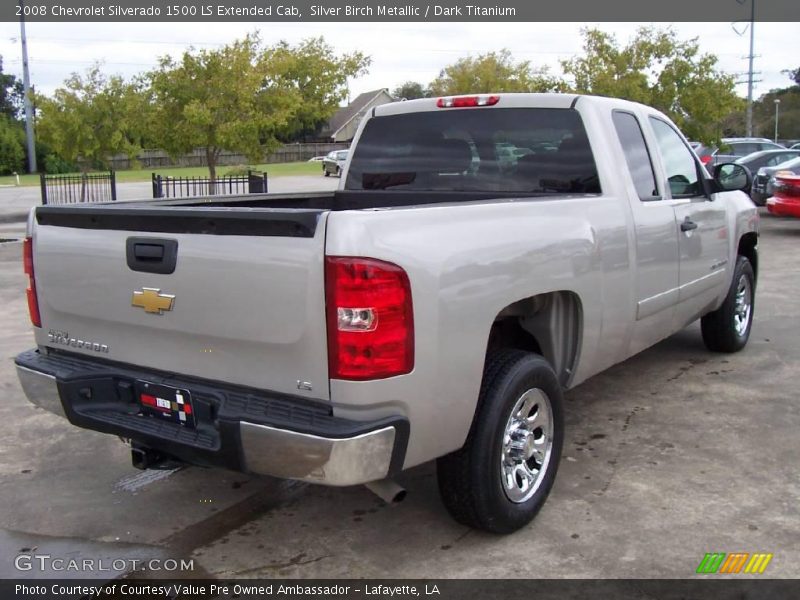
(152, 300)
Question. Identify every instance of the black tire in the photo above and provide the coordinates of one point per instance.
(471, 479)
(721, 329)
(338, 172)
(325, 172)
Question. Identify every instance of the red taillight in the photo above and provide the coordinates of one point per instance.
(370, 319)
(33, 300)
(706, 159)
(467, 101)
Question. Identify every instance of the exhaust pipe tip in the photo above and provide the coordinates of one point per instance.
(387, 490)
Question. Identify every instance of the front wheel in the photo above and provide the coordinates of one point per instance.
(501, 477)
(727, 329)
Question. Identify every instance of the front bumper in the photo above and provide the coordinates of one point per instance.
(237, 428)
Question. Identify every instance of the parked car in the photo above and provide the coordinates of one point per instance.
(333, 164)
(767, 158)
(795, 146)
(423, 311)
(316, 159)
(764, 180)
(732, 148)
(786, 199)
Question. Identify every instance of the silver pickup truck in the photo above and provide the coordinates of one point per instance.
(483, 254)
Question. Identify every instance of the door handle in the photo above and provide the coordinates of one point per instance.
(688, 225)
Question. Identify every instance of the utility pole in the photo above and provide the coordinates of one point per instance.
(26, 84)
(750, 70)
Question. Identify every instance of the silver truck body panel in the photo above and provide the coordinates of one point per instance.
(248, 309)
(638, 278)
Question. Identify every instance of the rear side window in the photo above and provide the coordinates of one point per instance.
(525, 150)
(679, 162)
(636, 155)
(743, 149)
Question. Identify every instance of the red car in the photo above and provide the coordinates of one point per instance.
(786, 201)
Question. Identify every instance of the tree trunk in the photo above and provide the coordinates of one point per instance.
(211, 159)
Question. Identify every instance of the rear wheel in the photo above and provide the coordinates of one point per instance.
(727, 329)
(501, 477)
(325, 172)
(338, 172)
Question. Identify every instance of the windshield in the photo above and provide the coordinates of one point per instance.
(534, 150)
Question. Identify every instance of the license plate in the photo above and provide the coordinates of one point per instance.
(164, 402)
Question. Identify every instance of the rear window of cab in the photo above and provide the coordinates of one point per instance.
(526, 150)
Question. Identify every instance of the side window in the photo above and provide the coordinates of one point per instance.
(745, 149)
(679, 163)
(636, 154)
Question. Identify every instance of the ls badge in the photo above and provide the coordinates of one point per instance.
(152, 300)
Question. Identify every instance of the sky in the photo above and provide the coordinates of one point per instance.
(400, 51)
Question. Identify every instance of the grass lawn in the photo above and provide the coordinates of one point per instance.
(273, 170)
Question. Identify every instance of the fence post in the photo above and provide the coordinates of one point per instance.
(113, 184)
(256, 182)
(156, 185)
(43, 181)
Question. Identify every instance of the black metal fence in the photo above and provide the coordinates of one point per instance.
(178, 187)
(78, 187)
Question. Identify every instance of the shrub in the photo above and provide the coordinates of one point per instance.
(12, 148)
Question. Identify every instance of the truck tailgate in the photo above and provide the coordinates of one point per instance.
(248, 288)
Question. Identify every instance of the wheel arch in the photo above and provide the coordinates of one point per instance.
(549, 324)
(748, 247)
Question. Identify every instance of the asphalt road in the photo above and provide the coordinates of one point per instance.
(672, 454)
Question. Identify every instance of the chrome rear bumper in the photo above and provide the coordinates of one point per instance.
(370, 452)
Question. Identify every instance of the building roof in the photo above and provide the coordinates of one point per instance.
(346, 114)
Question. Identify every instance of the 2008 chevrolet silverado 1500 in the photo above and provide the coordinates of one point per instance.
(482, 254)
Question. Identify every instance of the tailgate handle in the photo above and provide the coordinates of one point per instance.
(151, 255)
(148, 251)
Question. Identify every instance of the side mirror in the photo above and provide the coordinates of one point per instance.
(730, 177)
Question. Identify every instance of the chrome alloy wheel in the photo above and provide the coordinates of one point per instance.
(743, 307)
(527, 444)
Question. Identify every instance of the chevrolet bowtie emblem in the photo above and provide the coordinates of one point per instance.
(152, 300)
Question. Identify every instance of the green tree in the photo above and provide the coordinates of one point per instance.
(318, 76)
(794, 74)
(232, 98)
(12, 146)
(492, 72)
(658, 69)
(789, 114)
(11, 94)
(411, 90)
(12, 135)
(91, 118)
